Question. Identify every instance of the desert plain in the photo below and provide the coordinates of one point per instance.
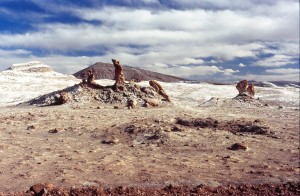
(216, 143)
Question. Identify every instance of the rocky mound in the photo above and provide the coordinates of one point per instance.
(132, 95)
(107, 71)
(242, 100)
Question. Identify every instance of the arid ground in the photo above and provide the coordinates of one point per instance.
(102, 145)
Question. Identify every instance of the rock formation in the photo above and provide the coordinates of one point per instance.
(158, 88)
(119, 74)
(90, 77)
(242, 86)
(131, 96)
(245, 89)
(250, 90)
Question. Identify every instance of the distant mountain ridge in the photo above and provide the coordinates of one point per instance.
(107, 71)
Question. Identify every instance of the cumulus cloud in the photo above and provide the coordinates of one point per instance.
(269, 77)
(192, 72)
(242, 65)
(283, 71)
(275, 61)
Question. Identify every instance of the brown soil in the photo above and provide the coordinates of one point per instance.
(96, 149)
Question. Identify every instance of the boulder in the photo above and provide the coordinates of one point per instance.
(151, 102)
(38, 189)
(237, 146)
(131, 103)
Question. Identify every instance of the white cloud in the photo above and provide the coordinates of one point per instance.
(268, 77)
(283, 71)
(229, 72)
(195, 72)
(275, 61)
(242, 65)
(192, 61)
(14, 52)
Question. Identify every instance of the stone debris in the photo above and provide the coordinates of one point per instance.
(254, 129)
(237, 146)
(111, 140)
(30, 127)
(235, 127)
(53, 130)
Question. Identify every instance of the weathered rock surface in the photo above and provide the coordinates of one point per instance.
(131, 96)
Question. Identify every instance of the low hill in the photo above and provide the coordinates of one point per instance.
(107, 70)
(24, 81)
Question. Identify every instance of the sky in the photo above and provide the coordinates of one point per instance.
(215, 40)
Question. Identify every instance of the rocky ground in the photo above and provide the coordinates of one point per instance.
(224, 146)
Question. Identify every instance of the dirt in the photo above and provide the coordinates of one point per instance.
(107, 150)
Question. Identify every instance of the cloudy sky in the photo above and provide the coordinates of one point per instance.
(220, 40)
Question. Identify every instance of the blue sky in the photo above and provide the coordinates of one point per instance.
(221, 40)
